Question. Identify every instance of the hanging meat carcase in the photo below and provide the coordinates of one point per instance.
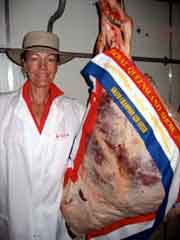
(118, 177)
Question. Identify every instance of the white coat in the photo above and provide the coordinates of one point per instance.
(32, 167)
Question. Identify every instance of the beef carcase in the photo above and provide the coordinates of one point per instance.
(118, 178)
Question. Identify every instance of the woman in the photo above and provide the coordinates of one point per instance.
(38, 125)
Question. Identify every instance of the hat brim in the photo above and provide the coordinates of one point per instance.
(14, 54)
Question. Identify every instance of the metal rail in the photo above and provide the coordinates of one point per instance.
(71, 55)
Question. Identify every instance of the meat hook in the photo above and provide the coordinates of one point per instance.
(58, 13)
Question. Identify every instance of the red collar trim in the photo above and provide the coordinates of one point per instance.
(54, 92)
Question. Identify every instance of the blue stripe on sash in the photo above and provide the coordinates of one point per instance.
(149, 138)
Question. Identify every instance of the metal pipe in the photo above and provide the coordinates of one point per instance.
(170, 74)
(170, 30)
(58, 13)
(10, 76)
(7, 21)
(122, 2)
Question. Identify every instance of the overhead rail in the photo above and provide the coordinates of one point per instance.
(72, 55)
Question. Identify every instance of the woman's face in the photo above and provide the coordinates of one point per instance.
(41, 68)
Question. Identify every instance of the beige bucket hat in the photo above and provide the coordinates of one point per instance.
(39, 41)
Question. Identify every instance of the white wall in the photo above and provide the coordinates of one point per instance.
(152, 17)
(78, 29)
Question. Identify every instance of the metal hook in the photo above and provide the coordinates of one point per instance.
(58, 13)
(123, 5)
